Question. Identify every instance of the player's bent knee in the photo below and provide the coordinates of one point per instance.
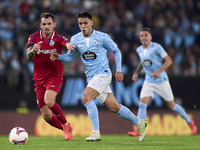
(170, 104)
(47, 117)
(85, 99)
(170, 107)
(114, 109)
(49, 104)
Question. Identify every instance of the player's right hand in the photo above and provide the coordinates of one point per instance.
(54, 56)
(36, 47)
(135, 77)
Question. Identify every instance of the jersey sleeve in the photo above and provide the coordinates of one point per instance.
(112, 46)
(68, 57)
(31, 40)
(161, 51)
(108, 42)
(64, 40)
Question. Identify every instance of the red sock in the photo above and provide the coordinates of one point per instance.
(59, 113)
(55, 122)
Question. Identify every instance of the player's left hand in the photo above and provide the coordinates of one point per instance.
(54, 56)
(156, 74)
(70, 47)
(119, 76)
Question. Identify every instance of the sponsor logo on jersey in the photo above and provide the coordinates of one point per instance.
(89, 56)
(147, 63)
(51, 43)
(46, 51)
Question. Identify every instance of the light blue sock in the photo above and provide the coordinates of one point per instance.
(125, 113)
(179, 110)
(93, 114)
(142, 110)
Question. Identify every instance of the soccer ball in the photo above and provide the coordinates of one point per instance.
(18, 135)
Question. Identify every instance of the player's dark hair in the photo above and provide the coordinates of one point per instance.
(146, 29)
(46, 15)
(84, 14)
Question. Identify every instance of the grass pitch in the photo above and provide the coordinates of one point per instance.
(109, 142)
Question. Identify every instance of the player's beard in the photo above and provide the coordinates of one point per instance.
(47, 32)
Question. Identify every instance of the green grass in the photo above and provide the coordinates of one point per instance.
(109, 142)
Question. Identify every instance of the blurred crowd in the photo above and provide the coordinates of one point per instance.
(175, 24)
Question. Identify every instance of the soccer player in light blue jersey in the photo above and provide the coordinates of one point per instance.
(92, 46)
(156, 80)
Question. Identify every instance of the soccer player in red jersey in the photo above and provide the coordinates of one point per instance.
(48, 75)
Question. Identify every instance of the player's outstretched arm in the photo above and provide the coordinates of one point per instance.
(68, 57)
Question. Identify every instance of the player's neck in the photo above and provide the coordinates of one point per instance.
(88, 34)
(46, 36)
(145, 45)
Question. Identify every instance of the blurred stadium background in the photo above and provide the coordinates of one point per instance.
(174, 24)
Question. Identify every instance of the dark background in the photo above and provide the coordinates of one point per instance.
(185, 89)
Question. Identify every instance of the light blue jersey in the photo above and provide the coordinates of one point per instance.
(152, 60)
(93, 52)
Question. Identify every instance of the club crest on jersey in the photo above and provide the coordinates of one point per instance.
(51, 43)
(149, 52)
(97, 43)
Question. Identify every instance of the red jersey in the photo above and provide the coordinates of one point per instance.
(44, 68)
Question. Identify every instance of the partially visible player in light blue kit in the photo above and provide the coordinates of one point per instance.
(91, 46)
(156, 80)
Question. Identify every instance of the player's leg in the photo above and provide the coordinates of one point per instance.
(166, 93)
(145, 96)
(142, 110)
(142, 113)
(95, 86)
(179, 110)
(50, 118)
(88, 95)
(125, 113)
(46, 112)
(50, 97)
(53, 86)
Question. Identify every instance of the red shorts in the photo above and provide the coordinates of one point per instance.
(40, 88)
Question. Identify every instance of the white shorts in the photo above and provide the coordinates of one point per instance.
(100, 83)
(162, 89)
